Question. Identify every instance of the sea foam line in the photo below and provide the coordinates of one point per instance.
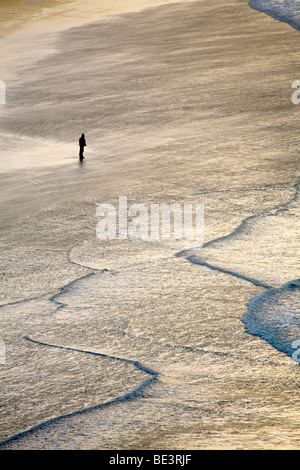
(268, 329)
(133, 394)
(137, 392)
(241, 227)
(253, 281)
(276, 210)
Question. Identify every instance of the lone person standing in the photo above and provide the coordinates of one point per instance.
(82, 144)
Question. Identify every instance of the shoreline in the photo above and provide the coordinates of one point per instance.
(155, 375)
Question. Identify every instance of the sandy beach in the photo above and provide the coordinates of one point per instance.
(134, 344)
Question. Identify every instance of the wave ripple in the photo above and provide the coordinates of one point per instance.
(287, 11)
(274, 315)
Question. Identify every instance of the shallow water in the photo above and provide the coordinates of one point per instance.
(150, 338)
(287, 11)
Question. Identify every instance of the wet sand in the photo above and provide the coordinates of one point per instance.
(180, 103)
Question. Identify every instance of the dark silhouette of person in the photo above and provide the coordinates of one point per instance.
(82, 144)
